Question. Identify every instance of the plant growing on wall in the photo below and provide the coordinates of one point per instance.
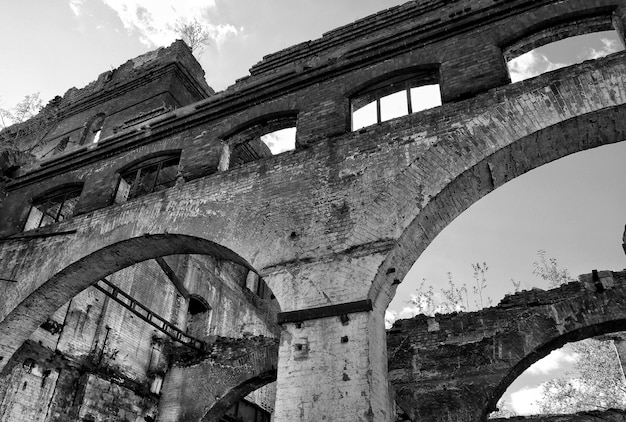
(193, 33)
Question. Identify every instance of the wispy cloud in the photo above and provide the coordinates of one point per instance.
(554, 361)
(524, 401)
(154, 21)
(609, 47)
(531, 64)
(76, 6)
(535, 62)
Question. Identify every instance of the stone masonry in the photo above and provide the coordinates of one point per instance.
(304, 248)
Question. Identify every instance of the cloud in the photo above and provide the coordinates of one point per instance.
(524, 401)
(534, 63)
(390, 318)
(531, 64)
(281, 140)
(76, 6)
(609, 47)
(154, 21)
(552, 362)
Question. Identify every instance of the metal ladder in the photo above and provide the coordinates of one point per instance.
(160, 323)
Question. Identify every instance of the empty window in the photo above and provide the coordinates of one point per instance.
(395, 97)
(149, 176)
(562, 45)
(257, 285)
(93, 130)
(49, 209)
(61, 145)
(280, 140)
(263, 138)
(198, 317)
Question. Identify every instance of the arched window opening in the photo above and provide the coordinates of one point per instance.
(56, 206)
(198, 317)
(395, 97)
(562, 45)
(148, 176)
(93, 130)
(266, 137)
(245, 411)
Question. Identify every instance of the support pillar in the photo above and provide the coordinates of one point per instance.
(333, 368)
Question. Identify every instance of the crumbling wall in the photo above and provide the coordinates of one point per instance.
(611, 415)
(455, 367)
(202, 387)
(331, 226)
(162, 80)
(95, 359)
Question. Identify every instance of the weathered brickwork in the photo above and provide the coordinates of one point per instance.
(456, 367)
(613, 415)
(235, 368)
(330, 228)
(95, 360)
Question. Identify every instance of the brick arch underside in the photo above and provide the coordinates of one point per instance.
(476, 179)
(24, 319)
(464, 373)
(240, 391)
(204, 388)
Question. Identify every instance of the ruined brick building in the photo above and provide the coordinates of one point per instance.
(158, 263)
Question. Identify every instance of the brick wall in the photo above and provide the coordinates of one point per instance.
(339, 220)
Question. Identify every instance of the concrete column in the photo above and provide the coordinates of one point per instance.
(334, 369)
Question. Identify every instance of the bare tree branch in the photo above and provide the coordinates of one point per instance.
(194, 34)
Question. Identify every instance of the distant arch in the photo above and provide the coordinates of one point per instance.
(485, 351)
(545, 349)
(240, 391)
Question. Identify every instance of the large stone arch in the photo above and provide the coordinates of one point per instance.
(342, 221)
(457, 366)
(22, 320)
(524, 126)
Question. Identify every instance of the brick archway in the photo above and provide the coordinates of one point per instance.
(340, 222)
(515, 134)
(235, 368)
(31, 312)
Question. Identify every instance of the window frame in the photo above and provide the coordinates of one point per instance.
(66, 193)
(137, 167)
(389, 84)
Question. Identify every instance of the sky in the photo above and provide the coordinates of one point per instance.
(574, 208)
